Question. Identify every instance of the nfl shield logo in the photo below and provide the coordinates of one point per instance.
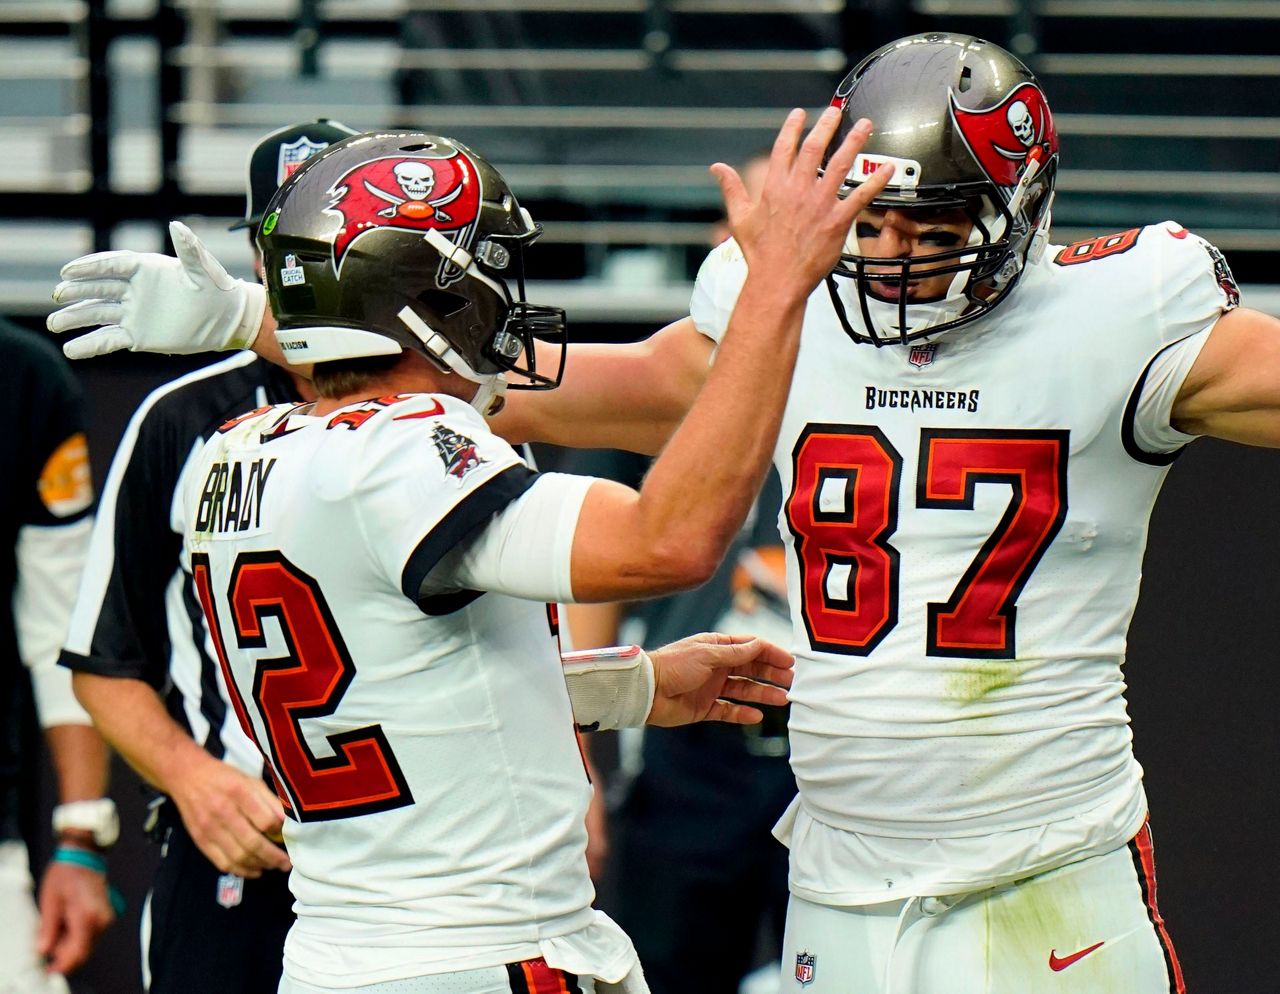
(806, 964)
(295, 154)
(922, 355)
(230, 890)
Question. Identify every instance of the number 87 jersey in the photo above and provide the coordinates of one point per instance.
(965, 523)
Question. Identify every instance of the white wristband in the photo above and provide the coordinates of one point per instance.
(609, 688)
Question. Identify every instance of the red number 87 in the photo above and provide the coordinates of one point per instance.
(843, 509)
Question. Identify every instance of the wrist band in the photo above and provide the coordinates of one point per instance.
(80, 857)
(95, 862)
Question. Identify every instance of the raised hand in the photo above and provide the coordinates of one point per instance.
(693, 678)
(797, 226)
(147, 302)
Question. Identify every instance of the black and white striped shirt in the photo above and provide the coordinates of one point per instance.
(137, 615)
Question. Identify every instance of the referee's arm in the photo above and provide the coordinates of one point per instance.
(118, 648)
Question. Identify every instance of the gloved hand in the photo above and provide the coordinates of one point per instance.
(147, 302)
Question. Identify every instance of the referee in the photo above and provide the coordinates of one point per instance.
(45, 505)
(219, 907)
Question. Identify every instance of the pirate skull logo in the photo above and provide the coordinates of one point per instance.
(1020, 120)
(1004, 136)
(416, 178)
(409, 193)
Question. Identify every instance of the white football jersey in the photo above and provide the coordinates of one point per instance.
(965, 520)
(424, 747)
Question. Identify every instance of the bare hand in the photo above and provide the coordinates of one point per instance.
(797, 227)
(230, 816)
(694, 676)
(74, 910)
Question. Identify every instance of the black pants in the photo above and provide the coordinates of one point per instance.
(208, 933)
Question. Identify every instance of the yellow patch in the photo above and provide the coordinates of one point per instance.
(972, 682)
(65, 485)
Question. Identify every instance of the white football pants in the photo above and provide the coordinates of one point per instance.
(489, 980)
(1090, 927)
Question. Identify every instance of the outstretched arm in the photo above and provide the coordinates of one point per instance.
(1233, 388)
(614, 396)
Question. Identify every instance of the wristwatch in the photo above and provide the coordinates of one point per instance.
(98, 818)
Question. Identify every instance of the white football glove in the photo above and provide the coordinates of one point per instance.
(147, 302)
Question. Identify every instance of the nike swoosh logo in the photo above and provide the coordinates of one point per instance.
(1058, 965)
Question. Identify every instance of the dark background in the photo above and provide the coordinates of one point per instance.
(1203, 696)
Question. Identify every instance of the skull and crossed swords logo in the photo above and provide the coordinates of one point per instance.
(407, 193)
(1004, 137)
(417, 180)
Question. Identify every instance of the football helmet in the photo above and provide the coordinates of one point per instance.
(966, 127)
(398, 240)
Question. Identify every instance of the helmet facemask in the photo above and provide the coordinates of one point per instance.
(510, 351)
(983, 270)
(967, 129)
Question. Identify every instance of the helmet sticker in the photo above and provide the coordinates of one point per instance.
(1003, 137)
(294, 154)
(407, 193)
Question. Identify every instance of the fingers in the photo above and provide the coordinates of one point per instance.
(753, 692)
(101, 342)
(117, 264)
(188, 250)
(73, 944)
(70, 291)
(784, 146)
(51, 915)
(230, 825)
(258, 853)
(734, 714)
(732, 190)
(815, 144)
(843, 158)
(85, 314)
(263, 808)
(867, 191)
(771, 654)
(199, 265)
(747, 655)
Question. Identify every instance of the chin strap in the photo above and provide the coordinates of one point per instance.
(491, 396)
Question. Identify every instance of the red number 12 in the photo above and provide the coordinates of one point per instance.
(362, 775)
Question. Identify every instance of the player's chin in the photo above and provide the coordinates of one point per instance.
(890, 293)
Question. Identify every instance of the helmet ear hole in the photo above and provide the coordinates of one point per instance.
(442, 302)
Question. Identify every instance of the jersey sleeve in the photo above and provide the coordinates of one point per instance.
(53, 524)
(433, 474)
(119, 626)
(1194, 287)
(1195, 283)
(715, 292)
(524, 550)
(63, 490)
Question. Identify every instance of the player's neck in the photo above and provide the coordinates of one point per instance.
(417, 375)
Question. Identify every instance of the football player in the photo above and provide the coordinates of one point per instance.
(980, 423)
(375, 566)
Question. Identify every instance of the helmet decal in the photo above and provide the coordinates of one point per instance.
(407, 193)
(1003, 137)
